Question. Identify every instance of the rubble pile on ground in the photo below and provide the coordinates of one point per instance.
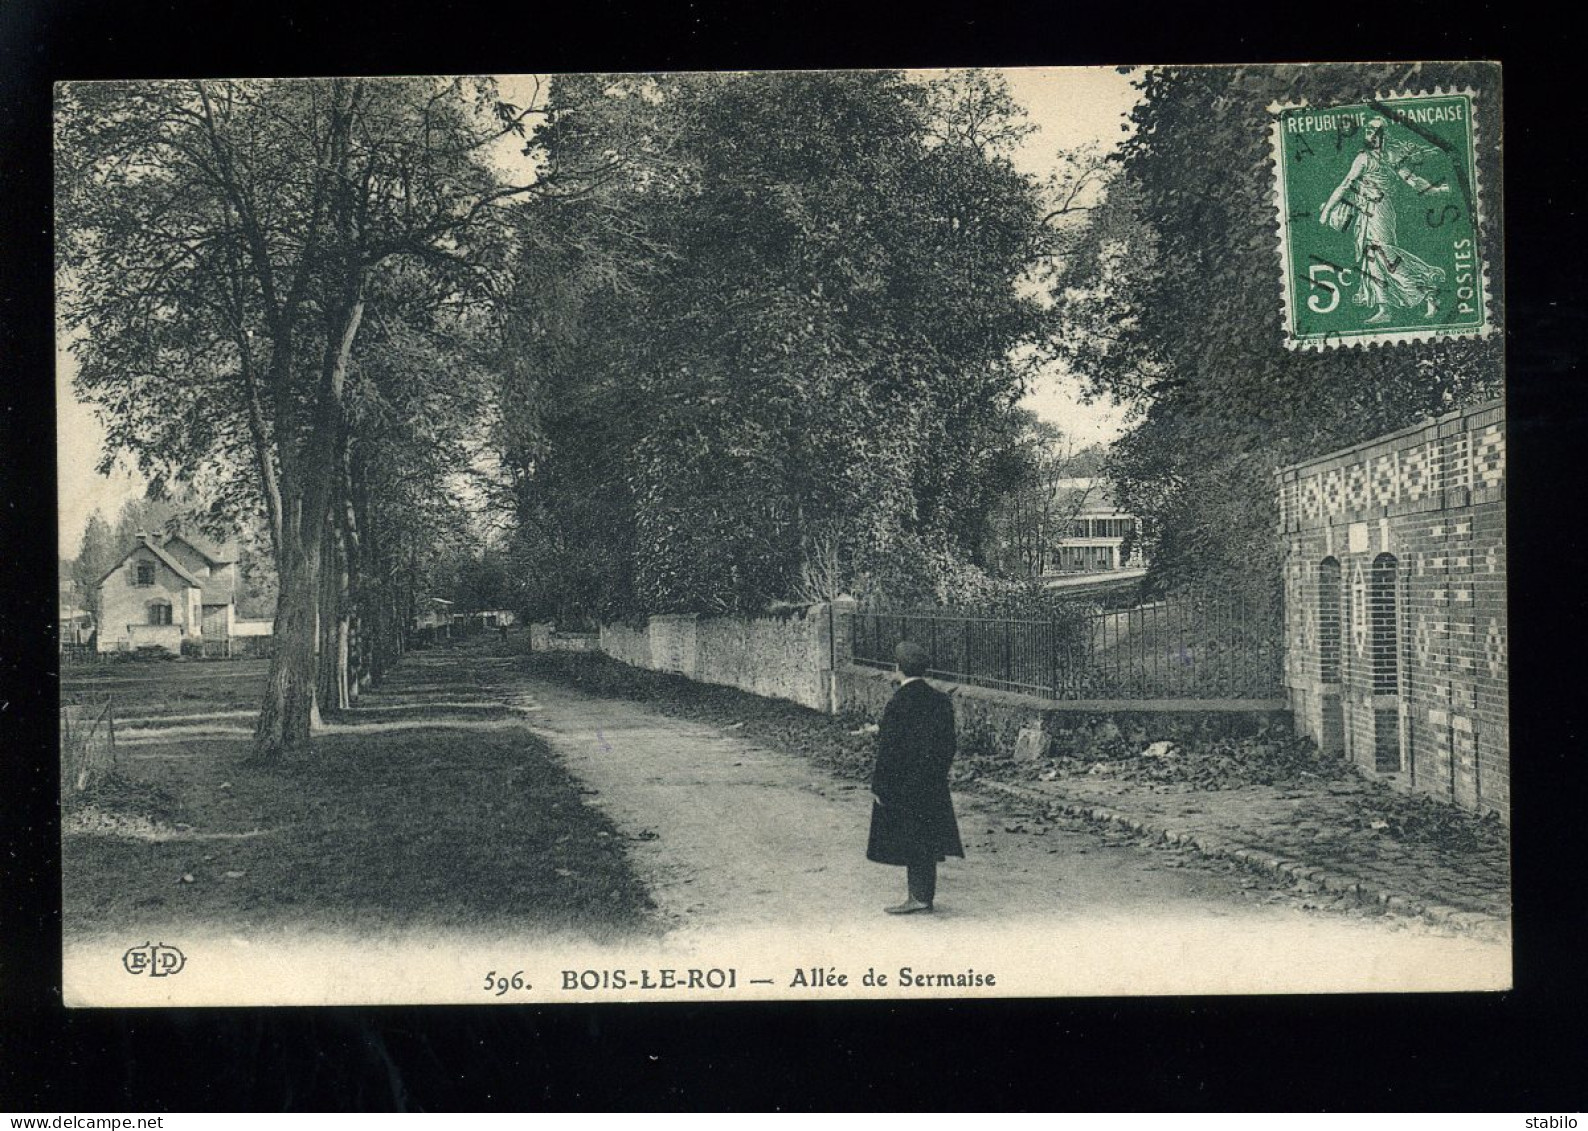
(1417, 819)
(1271, 757)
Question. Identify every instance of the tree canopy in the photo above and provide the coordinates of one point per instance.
(794, 367)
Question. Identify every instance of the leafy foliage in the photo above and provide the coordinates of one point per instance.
(789, 368)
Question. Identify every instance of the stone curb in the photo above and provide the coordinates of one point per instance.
(1307, 876)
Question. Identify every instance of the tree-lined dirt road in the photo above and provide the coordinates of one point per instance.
(730, 834)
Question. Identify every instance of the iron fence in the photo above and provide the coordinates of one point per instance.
(1183, 647)
(204, 648)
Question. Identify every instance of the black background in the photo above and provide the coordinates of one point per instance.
(1523, 1050)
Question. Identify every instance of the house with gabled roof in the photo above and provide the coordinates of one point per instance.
(164, 592)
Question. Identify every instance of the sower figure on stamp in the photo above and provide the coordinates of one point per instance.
(1364, 204)
(912, 815)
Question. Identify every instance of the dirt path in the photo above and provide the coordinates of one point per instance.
(733, 835)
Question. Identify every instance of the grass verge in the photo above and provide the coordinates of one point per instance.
(440, 827)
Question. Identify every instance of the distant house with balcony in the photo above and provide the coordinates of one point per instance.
(167, 592)
(1094, 535)
(484, 619)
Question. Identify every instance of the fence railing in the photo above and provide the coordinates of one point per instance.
(88, 743)
(1183, 647)
(205, 647)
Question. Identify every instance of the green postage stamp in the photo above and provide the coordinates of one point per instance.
(1379, 214)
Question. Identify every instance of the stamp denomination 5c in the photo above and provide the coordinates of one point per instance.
(1379, 218)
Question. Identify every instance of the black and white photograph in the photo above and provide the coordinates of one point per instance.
(1031, 532)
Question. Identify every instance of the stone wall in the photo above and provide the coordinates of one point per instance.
(783, 656)
(673, 643)
(792, 656)
(544, 637)
(991, 722)
(630, 645)
(1395, 615)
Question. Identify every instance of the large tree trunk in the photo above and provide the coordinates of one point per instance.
(350, 556)
(289, 711)
(326, 687)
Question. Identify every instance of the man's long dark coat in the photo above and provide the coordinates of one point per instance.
(915, 747)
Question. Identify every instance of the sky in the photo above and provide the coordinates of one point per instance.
(1070, 106)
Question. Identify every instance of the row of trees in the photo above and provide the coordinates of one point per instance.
(725, 340)
(708, 341)
(280, 296)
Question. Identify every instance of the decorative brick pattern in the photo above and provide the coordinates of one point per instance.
(1356, 500)
(1386, 480)
(1416, 473)
(1432, 498)
(1490, 458)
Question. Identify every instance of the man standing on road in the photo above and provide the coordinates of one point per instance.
(912, 815)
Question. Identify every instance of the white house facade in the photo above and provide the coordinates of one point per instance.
(165, 593)
(1098, 537)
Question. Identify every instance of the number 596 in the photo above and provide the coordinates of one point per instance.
(499, 985)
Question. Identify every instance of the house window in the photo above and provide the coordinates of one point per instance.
(1382, 625)
(1384, 636)
(159, 613)
(1329, 621)
(146, 575)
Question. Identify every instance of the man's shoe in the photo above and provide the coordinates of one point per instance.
(908, 907)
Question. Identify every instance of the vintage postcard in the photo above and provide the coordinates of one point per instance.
(798, 535)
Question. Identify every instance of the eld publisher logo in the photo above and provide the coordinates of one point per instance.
(154, 959)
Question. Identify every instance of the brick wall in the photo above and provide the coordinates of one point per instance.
(1401, 663)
